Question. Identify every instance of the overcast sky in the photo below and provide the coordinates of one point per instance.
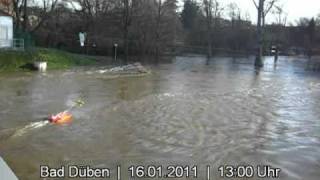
(294, 8)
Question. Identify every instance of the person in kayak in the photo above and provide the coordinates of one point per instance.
(61, 118)
(65, 116)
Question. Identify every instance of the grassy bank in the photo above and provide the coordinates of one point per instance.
(19, 61)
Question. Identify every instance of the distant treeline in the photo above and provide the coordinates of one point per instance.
(157, 27)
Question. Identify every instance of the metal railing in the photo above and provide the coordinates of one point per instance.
(12, 44)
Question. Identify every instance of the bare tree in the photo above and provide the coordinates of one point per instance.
(212, 11)
(279, 27)
(25, 15)
(120, 13)
(269, 4)
(247, 16)
(158, 23)
(281, 15)
(234, 11)
(158, 19)
(164, 20)
(263, 8)
(17, 11)
(127, 4)
(143, 18)
(93, 9)
(20, 11)
(208, 14)
(47, 7)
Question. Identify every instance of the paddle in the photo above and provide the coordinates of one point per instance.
(77, 103)
(66, 113)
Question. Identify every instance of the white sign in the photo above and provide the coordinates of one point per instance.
(82, 38)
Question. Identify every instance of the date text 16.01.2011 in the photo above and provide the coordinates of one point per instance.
(172, 171)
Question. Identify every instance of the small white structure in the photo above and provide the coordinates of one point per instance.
(40, 66)
(6, 30)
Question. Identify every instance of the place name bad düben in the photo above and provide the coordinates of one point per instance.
(74, 171)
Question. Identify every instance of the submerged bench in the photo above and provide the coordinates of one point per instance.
(5, 172)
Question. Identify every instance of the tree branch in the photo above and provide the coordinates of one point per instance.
(46, 14)
(255, 4)
(271, 4)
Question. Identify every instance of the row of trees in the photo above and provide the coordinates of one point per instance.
(227, 27)
(237, 31)
(19, 9)
(154, 27)
(204, 25)
(141, 27)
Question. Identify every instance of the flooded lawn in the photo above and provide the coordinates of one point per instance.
(185, 113)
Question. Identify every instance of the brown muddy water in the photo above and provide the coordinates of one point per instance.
(185, 113)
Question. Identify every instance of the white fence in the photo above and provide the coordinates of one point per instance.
(12, 44)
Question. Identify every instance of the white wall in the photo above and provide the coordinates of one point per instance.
(6, 31)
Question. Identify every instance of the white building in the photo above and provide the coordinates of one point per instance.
(6, 30)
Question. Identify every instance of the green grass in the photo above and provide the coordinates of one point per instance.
(14, 60)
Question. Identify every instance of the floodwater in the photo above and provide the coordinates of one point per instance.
(185, 113)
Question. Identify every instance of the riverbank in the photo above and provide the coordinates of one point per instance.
(57, 59)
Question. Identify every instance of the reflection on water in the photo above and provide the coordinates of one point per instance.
(184, 113)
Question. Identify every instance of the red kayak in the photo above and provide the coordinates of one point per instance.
(61, 118)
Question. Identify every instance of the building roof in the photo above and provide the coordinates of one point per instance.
(3, 13)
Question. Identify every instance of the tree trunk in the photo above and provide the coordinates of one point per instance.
(25, 15)
(126, 31)
(258, 60)
(126, 46)
(209, 41)
(209, 27)
(157, 31)
(16, 10)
